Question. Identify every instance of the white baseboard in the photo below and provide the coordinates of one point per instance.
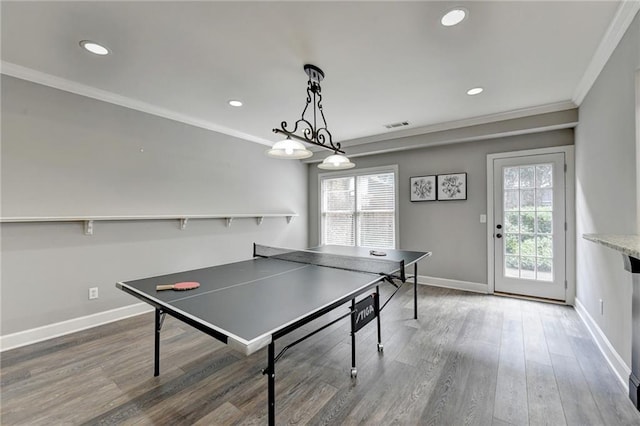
(34, 335)
(454, 284)
(616, 362)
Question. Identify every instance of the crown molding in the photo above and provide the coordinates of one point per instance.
(28, 74)
(528, 124)
(618, 27)
(467, 122)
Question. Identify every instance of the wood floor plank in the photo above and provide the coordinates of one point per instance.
(477, 401)
(577, 402)
(555, 336)
(413, 395)
(543, 397)
(226, 414)
(606, 390)
(454, 397)
(535, 343)
(511, 389)
(381, 396)
(306, 403)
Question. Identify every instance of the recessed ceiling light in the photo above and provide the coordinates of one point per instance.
(475, 91)
(454, 17)
(94, 47)
(235, 103)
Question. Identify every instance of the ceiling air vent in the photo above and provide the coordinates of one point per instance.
(395, 125)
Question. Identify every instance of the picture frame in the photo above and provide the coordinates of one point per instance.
(452, 186)
(423, 188)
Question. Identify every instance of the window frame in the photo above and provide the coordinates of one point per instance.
(355, 173)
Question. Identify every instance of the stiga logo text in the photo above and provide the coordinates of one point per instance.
(365, 311)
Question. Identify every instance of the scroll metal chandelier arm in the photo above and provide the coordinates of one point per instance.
(319, 136)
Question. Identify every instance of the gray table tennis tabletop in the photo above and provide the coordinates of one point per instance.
(245, 304)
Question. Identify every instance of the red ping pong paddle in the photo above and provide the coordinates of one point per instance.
(187, 285)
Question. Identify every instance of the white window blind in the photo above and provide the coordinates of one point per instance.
(359, 210)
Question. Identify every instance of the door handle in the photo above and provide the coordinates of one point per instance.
(498, 235)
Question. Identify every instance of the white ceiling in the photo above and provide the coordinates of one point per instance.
(384, 61)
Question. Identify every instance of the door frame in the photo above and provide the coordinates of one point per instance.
(570, 215)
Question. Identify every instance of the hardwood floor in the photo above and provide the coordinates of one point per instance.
(469, 359)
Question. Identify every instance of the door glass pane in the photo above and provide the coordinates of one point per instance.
(511, 177)
(511, 200)
(511, 222)
(528, 225)
(527, 222)
(544, 269)
(544, 176)
(512, 244)
(544, 199)
(527, 245)
(544, 222)
(527, 199)
(512, 266)
(544, 248)
(528, 267)
(527, 177)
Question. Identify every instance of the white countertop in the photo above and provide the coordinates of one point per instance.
(627, 244)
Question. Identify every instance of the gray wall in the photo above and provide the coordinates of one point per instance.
(64, 154)
(606, 192)
(450, 229)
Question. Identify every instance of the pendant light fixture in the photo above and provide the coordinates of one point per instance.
(312, 131)
(336, 162)
(288, 148)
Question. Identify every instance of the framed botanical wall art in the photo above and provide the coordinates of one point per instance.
(452, 187)
(423, 188)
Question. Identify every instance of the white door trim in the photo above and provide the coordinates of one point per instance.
(570, 202)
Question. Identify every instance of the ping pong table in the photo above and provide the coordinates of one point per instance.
(250, 304)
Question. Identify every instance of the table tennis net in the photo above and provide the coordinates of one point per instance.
(388, 268)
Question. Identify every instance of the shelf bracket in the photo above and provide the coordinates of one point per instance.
(183, 223)
(289, 219)
(260, 219)
(229, 220)
(88, 227)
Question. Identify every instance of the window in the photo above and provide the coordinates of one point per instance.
(359, 209)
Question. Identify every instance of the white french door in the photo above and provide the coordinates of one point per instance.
(529, 225)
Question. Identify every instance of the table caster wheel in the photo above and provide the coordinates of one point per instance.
(354, 373)
(380, 347)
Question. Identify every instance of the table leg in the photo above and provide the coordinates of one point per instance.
(156, 358)
(377, 308)
(354, 371)
(271, 375)
(415, 290)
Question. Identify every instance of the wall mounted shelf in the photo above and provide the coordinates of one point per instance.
(182, 218)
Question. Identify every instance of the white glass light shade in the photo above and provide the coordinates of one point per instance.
(289, 149)
(336, 162)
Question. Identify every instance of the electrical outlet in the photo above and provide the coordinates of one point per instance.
(93, 293)
(601, 307)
